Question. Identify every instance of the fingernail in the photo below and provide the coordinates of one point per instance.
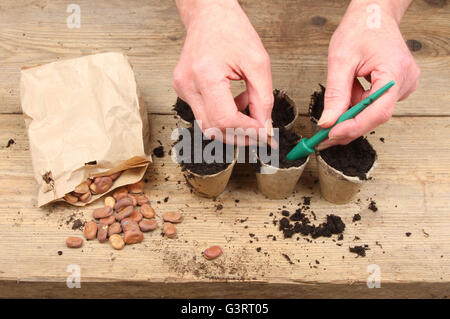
(269, 127)
(324, 145)
(325, 118)
(335, 137)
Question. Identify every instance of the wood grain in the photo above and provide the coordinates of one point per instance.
(411, 187)
(295, 33)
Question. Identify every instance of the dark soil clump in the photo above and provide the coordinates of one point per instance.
(158, 151)
(205, 168)
(10, 142)
(287, 141)
(359, 250)
(184, 110)
(354, 159)
(283, 112)
(373, 206)
(356, 217)
(333, 226)
(317, 103)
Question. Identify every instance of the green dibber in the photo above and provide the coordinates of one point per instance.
(307, 145)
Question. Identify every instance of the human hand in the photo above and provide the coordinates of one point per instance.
(360, 49)
(221, 46)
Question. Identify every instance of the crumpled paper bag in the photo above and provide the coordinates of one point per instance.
(84, 119)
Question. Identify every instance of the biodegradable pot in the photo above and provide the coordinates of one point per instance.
(335, 186)
(315, 98)
(210, 185)
(281, 182)
(283, 94)
(183, 122)
(314, 127)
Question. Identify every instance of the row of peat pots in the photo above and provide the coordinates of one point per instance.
(342, 169)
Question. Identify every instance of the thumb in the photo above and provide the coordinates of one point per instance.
(338, 91)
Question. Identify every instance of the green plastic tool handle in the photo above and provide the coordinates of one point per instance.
(307, 145)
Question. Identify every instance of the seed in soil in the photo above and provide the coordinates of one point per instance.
(102, 233)
(148, 225)
(107, 220)
(120, 193)
(110, 201)
(170, 230)
(102, 212)
(124, 213)
(173, 217)
(133, 236)
(147, 211)
(136, 216)
(136, 188)
(114, 228)
(90, 230)
(122, 203)
(74, 242)
(116, 241)
(212, 252)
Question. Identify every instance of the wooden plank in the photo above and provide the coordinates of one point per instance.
(150, 33)
(411, 187)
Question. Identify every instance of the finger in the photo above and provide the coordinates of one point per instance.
(258, 79)
(241, 101)
(340, 79)
(375, 114)
(358, 92)
(195, 101)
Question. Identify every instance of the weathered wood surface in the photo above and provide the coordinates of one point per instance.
(411, 187)
(150, 33)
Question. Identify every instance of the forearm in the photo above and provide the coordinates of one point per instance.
(395, 8)
(189, 9)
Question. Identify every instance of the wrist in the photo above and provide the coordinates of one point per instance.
(190, 10)
(395, 9)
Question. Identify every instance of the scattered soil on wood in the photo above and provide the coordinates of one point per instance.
(354, 159)
(359, 250)
(10, 142)
(373, 206)
(298, 223)
(158, 151)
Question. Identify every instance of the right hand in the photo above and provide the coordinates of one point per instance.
(222, 45)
